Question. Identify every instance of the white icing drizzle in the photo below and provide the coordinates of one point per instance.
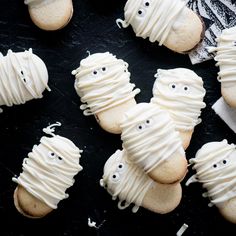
(49, 169)
(215, 165)
(152, 18)
(23, 76)
(182, 230)
(149, 136)
(180, 92)
(125, 181)
(37, 3)
(226, 55)
(102, 82)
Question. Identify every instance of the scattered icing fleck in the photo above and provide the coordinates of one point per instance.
(92, 224)
(1, 110)
(51, 128)
(182, 230)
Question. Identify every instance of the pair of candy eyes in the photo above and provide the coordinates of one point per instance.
(224, 162)
(116, 175)
(54, 156)
(144, 125)
(141, 12)
(175, 86)
(23, 76)
(103, 69)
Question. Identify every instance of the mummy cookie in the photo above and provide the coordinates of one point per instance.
(47, 173)
(215, 165)
(150, 139)
(168, 22)
(128, 183)
(226, 60)
(180, 92)
(50, 14)
(23, 76)
(103, 84)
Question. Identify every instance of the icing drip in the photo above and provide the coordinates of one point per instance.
(102, 82)
(152, 18)
(226, 55)
(49, 169)
(23, 76)
(180, 92)
(125, 181)
(215, 166)
(149, 136)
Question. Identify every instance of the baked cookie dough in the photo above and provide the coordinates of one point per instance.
(168, 22)
(48, 172)
(103, 84)
(127, 182)
(50, 14)
(180, 92)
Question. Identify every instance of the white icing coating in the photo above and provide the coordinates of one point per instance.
(215, 165)
(152, 18)
(149, 136)
(38, 3)
(226, 55)
(180, 92)
(102, 82)
(125, 181)
(49, 169)
(23, 76)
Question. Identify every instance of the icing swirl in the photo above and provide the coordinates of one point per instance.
(23, 76)
(152, 18)
(49, 169)
(226, 55)
(102, 82)
(215, 167)
(124, 180)
(149, 136)
(180, 92)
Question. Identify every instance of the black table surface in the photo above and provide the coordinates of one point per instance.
(93, 29)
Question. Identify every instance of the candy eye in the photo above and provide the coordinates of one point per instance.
(104, 69)
(225, 161)
(173, 86)
(52, 155)
(215, 166)
(59, 159)
(115, 177)
(186, 88)
(95, 73)
(146, 3)
(120, 167)
(148, 122)
(141, 12)
(140, 127)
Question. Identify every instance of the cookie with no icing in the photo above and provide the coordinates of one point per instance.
(127, 182)
(103, 84)
(23, 77)
(50, 14)
(169, 22)
(151, 141)
(48, 172)
(180, 92)
(215, 165)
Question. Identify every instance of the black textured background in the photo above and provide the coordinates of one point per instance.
(93, 28)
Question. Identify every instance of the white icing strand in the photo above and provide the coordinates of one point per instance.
(92, 224)
(125, 181)
(180, 92)
(23, 76)
(51, 129)
(149, 136)
(37, 3)
(215, 165)
(152, 18)
(102, 82)
(49, 169)
(226, 55)
(182, 230)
